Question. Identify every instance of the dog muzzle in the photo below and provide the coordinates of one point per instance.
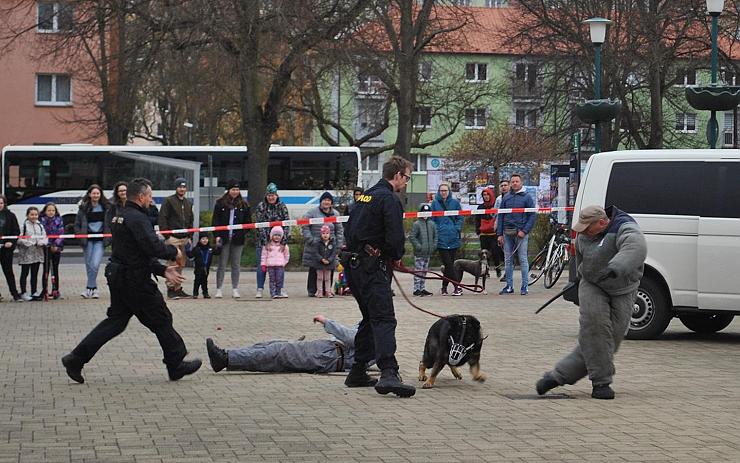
(457, 352)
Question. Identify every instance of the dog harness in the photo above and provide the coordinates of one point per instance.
(457, 350)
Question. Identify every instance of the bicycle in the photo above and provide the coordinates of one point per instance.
(550, 261)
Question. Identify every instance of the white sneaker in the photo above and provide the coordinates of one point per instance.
(219, 294)
(94, 294)
(283, 293)
(26, 297)
(235, 293)
(87, 293)
(259, 293)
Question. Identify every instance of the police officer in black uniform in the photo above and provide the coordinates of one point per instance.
(133, 292)
(375, 240)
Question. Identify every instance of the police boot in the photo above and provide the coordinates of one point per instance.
(73, 365)
(186, 367)
(603, 392)
(390, 381)
(358, 377)
(219, 357)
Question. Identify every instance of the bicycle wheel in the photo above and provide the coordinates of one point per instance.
(537, 267)
(556, 267)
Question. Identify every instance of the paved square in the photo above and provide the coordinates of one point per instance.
(677, 397)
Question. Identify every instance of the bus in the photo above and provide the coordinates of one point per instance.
(35, 175)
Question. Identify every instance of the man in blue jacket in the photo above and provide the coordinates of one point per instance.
(513, 232)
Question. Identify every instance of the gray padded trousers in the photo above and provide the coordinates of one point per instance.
(604, 321)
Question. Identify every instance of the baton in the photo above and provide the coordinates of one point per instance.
(570, 286)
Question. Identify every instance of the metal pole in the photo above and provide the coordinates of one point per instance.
(597, 96)
(713, 127)
(210, 181)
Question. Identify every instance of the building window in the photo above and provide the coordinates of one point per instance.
(421, 163)
(54, 17)
(423, 119)
(369, 116)
(53, 89)
(686, 77)
(370, 163)
(729, 128)
(425, 71)
(525, 118)
(369, 84)
(475, 118)
(525, 76)
(686, 122)
(496, 3)
(461, 2)
(476, 72)
(729, 77)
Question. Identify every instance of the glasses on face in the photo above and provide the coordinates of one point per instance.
(406, 176)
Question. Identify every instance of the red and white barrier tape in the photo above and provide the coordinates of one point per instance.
(317, 221)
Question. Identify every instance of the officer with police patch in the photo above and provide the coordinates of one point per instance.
(136, 249)
(375, 241)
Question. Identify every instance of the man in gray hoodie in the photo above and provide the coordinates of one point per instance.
(610, 257)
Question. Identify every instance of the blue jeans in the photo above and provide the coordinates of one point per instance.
(260, 274)
(511, 243)
(93, 256)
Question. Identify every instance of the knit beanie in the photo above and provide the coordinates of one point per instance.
(179, 181)
(326, 195)
(424, 208)
(325, 229)
(276, 230)
(271, 189)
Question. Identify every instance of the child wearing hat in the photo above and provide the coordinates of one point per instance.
(275, 256)
(327, 253)
(423, 238)
(202, 255)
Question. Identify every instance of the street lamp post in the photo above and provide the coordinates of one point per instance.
(714, 7)
(597, 28)
(189, 126)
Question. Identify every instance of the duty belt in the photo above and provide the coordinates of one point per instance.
(340, 356)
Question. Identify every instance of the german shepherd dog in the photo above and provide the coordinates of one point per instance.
(478, 268)
(453, 340)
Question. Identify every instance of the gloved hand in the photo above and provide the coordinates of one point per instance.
(264, 268)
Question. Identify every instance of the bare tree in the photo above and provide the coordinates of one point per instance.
(648, 44)
(501, 144)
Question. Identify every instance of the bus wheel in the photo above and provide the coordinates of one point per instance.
(706, 323)
(650, 314)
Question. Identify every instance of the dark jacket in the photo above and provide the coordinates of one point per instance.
(377, 220)
(81, 222)
(8, 226)
(449, 228)
(176, 213)
(519, 220)
(486, 223)
(153, 214)
(326, 251)
(136, 247)
(267, 212)
(423, 237)
(312, 234)
(202, 256)
(221, 213)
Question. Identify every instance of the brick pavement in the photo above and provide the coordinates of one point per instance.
(676, 396)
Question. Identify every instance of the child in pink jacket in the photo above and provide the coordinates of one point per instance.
(275, 257)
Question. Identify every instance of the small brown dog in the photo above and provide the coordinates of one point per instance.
(453, 340)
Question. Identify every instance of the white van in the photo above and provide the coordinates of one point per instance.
(687, 203)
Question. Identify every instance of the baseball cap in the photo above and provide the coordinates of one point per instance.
(587, 216)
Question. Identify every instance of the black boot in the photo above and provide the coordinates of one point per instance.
(186, 367)
(74, 367)
(603, 392)
(390, 381)
(358, 377)
(546, 383)
(218, 357)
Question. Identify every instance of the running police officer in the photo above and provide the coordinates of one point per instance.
(133, 292)
(375, 241)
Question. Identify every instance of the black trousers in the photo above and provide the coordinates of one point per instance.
(141, 299)
(200, 281)
(34, 269)
(490, 243)
(6, 261)
(51, 263)
(311, 283)
(448, 257)
(376, 336)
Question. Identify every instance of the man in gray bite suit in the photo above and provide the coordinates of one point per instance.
(610, 257)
